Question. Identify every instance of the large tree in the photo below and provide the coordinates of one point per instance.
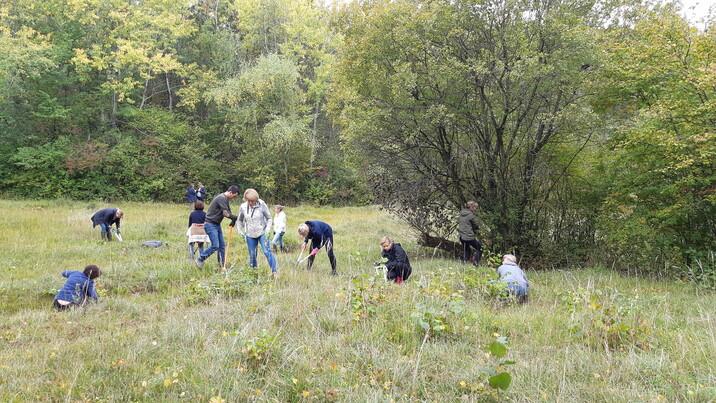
(459, 100)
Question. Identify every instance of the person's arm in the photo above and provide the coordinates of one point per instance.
(189, 220)
(66, 273)
(242, 219)
(269, 220)
(91, 291)
(226, 211)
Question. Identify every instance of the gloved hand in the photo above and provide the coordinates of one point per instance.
(314, 251)
(233, 220)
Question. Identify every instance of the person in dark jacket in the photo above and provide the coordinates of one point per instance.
(105, 218)
(191, 195)
(78, 288)
(468, 230)
(196, 235)
(201, 192)
(398, 264)
(321, 235)
(218, 210)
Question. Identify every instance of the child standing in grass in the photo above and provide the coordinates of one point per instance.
(78, 288)
(196, 235)
(279, 227)
(515, 278)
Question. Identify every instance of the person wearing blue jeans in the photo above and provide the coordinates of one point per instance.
(255, 224)
(279, 227)
(515, 278)
(218, 210)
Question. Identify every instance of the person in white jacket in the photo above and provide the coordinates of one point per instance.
(255, 224)
(279, 227)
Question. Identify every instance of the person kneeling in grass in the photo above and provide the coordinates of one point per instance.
(515, 278)
(398, 264)
(105, 218)
(78, 288)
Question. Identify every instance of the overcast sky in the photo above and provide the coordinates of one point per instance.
(697, 10)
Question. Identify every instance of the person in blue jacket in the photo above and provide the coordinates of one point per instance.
(321, 235)
(105, 218)
(191, 195)
(78, 288)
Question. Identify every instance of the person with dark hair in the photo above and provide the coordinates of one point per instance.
(398, 264)
(196, 235)
(468, 230)
(105, 218)
(218, 210)
(201, 192)
(191, 194)
(321, 235)
(78, 288)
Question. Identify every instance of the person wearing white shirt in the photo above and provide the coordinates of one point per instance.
(279, 227)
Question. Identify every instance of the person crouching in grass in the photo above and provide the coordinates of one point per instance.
(78, 288)
(398, 264)
(515, 278)
(105, 218)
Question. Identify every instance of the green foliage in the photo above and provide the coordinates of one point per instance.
(607, 319)
(234, 284)
(365, 294)
(659, 209)
(260, 350)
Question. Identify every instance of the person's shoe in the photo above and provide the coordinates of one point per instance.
(334, 273)
(199, 263)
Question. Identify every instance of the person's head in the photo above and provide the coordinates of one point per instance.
(471, 205)
(303, 230)
(198, 205)
(119, 213)
(386, 243)
(92, 271)
(278, 208)
(232, 192)
(251, 196)
(509, 259)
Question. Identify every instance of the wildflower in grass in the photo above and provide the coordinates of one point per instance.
(217, 399)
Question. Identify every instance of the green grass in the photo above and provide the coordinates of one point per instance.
(297, 339)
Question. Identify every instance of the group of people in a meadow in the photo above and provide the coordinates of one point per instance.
(254, 223)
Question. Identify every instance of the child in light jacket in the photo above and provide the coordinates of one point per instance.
(279, 227)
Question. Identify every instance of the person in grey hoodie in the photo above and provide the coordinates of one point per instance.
(515, 278)
(255, 224)
(467, 229)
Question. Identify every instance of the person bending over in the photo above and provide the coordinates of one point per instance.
(105, 218)
(78, 288)
(254, 225)
(398, 264)
(218, 210)
(515, 278)
(321, 235)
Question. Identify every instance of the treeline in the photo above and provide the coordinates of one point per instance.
(121, 99)
(584, 129)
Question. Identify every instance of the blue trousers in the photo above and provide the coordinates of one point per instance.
(252, 244)
(217, 242)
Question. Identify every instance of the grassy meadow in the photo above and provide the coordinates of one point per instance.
(167, 331)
